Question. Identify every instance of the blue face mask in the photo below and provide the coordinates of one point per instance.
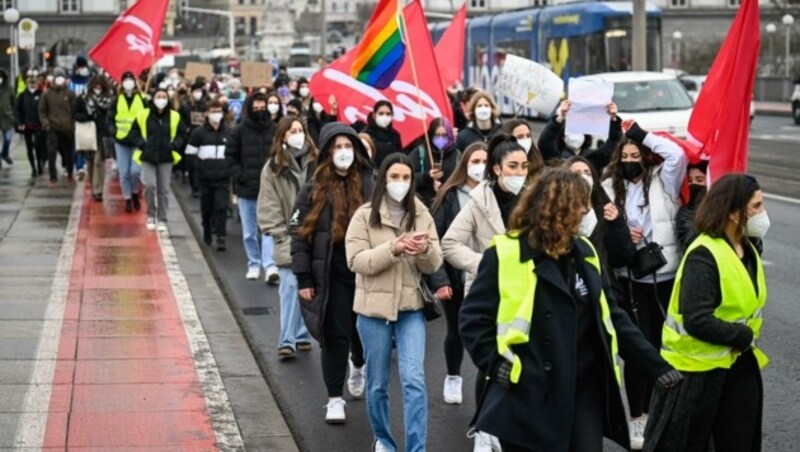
(441, 142)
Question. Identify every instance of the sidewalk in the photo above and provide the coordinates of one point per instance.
(773, 108)
(113, 337)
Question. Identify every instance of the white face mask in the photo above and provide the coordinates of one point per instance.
(32, 88)
(97, 91)
(83, 72)
(483, 113)
(296, 140)
(273, 108)
(526, 144)
(197, 95)
(60, 80)
(758, 225)
(383, 121)
(344, 158)
(317, 107)
(397, 190)
(588, 223)
(215, 118)
(476, 172)
(574, 141)
(160, 103)
(303, 92)
(513, 184)
(49, 79)
(128, 84)
(589, 180)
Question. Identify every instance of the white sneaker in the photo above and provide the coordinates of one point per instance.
(637, 432)
(452, 389)
(335, 411)
(162, 226)
(485, 442)
(357, 380)
(273, 277)
(253, 274)
(151, 224)
(380, 447)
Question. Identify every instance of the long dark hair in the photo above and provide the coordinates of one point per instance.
(730, 194)
(459, 176)
(599, 197)
(535, 159)
(500, 146)
(410, 205)
(280, 163)
(614, 171)
(279, 115)
(378, 105)
(342, 193)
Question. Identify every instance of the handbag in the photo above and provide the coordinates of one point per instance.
(431, 305)
(648, 259)
(86, 136)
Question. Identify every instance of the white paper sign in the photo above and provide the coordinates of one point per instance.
(27, 33)
(530, 84)
(588, 113)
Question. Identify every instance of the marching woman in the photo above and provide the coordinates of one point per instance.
(539, 321)
(343, 181)
(380, 129)
(521, 130)
(648, 194)
(274, 107)
(122, 115)
(430, 175)
(448, 282)
(93, 105)
(291, 165)
(389, 243)
(484, 120)
(714, 321)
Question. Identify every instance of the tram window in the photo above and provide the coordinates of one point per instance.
(595, 54)
(517, 48)
(578, 57)
(618, 43)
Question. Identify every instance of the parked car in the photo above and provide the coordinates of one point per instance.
(796, 101)
(694, 83)
(658, 101)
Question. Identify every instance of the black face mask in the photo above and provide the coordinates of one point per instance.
(695, 193)
(632, 170)
(260, 116)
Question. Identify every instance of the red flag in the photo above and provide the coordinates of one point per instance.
(720, 123)
(450, 49)
(133, 41)
(355, 99)
(693, 153)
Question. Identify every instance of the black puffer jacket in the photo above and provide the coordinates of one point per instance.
(447, 275)
(158, 146)
(551, 144)
(26, 110)
(311, 260)
(422, 168)
(387, 141)
(208, 146)
(472, 134)
(248, 148)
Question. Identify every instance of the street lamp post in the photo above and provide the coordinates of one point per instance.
(11, 16)
(771, 29)
(676, 37)
(788, 21)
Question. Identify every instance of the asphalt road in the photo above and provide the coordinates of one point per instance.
(298, 387)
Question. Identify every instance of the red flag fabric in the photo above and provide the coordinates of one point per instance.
(132, 43)
(355, 99)
(450, 49)
(720, 123)
(693, 153)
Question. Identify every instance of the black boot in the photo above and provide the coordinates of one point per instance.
(207, 236)
(128, 206)
(136, 204)
(221, 243)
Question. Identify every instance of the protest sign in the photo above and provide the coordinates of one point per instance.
(256, 74)
(195, 70)
(588, 110)
(530, 84)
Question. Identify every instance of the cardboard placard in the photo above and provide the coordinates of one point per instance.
(256, 74)
(194, 70)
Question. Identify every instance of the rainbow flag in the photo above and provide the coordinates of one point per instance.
(381, 52)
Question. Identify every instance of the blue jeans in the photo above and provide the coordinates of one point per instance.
(259, 255)
(8, 134)
(293, 329)
(129, 172)
(79, 159)
(409, 335)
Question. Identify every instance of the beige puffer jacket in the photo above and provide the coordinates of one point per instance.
(471, 232)
(386, 284)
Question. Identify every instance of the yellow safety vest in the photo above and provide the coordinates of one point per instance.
(174, 120)
(740, 304)
(125, 115)
(517, 285)
(21, 84)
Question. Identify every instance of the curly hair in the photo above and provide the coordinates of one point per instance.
(614, 171)
(549, 212)
(342, 193)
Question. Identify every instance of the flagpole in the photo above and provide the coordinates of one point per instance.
(416, 84)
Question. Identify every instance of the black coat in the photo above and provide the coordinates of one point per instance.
(208, 146)
(311, 260)
(551, 144)
(422, 167)
(26, 110)
(471, 134)
(158, 146)
(248, 149)
(315, 123)
(387, 141)
(536, 412)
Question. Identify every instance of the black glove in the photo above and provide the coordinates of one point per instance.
(669, 380)
(503, 377)
(636, 133)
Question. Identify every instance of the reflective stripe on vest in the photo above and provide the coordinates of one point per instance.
(125, 116)
(740, 304)
(517, 287)
(174, 120)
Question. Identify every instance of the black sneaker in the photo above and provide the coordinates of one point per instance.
(195, 193)
(136, 203)
(221, 243)
(8, 161)
(207, 236)
(128, 206)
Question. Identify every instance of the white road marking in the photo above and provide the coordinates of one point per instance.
(219, 408)
(32, 422)
(782, 198)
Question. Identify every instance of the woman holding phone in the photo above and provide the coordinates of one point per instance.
(390, 242)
